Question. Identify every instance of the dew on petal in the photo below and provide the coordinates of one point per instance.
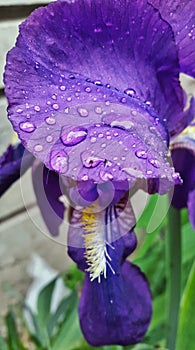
(90, 161)
(55, 106)
(19, 110)
(38, 148)
(49, 138)
(54, 97)
(130, 92)
(50, 120)
(37, 108)
(88, 89)
(123, 100)
(177, 179)
(93, 139)
(59, 161)
(62, 88)
(124, 124)
(69, 99)
(141, 154)
(105, 175)
(100, 135)
(27, 126)
(98, 110)
(74, 136)
(66, 110)
(85, 177)
(83, 112)
(155, 163)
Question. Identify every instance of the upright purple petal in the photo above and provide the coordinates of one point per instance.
(181, 15)
(69, 102)
(48, 191)
(13, 163)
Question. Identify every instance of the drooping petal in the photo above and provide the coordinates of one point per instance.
(13, 163)
(181, 16)
(117, 310)
(48, 191)
(191, 207)
(58, 113)
(183, 157)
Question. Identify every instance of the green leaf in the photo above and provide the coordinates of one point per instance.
(13, 337)
(61, 313)
(3, 345)
(69, 336)
(37, 335)
(186, 334)
(44, 303)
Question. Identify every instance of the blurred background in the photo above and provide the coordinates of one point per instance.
(19, 237)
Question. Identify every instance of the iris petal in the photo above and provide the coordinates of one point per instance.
(48, 191)
(181, 16)
(122, 306)
(13, 163)
(57, 113)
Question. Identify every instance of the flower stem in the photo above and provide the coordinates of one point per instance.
(173, 256)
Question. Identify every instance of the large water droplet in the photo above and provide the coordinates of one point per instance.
(83, 112)
(141, 154)
(74, 136)
(155, 163)
(124, 124)
(27, 126)
(130, 92)
(90, 161)
(59, 161)
(106, 176)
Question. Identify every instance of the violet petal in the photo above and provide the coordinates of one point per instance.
(48, 191)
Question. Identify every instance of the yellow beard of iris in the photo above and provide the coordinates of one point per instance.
(96, 253)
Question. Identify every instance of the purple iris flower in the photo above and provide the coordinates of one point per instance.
(94, 94)
(183, 156)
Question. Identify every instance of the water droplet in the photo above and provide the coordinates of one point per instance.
(83, 112)
(93, 139)
(107, 103)
(149, 172)
(98, 110)
(156, 121)
(19, 110)
(27, 126)
(66, 110)
(134, 113)
(155, 163)
(123, 100)
(130, 92)
(62, 88)
(109, 137)
(55, 106)
(85, 177)
(116, 134)
(50, 121)
(124, 124)
(101, 135)
(103, 145)
(88, 89)
(141, 154)
(37, 108)
(49, 138)
(90, 161)
(106, 176)
(108, 86)
(177, 179)
(71, 76)
(74, 136)
(69, 99)
(38, 148)
(54, 97)
(98, 82)
(148, 103)
(59, 161)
